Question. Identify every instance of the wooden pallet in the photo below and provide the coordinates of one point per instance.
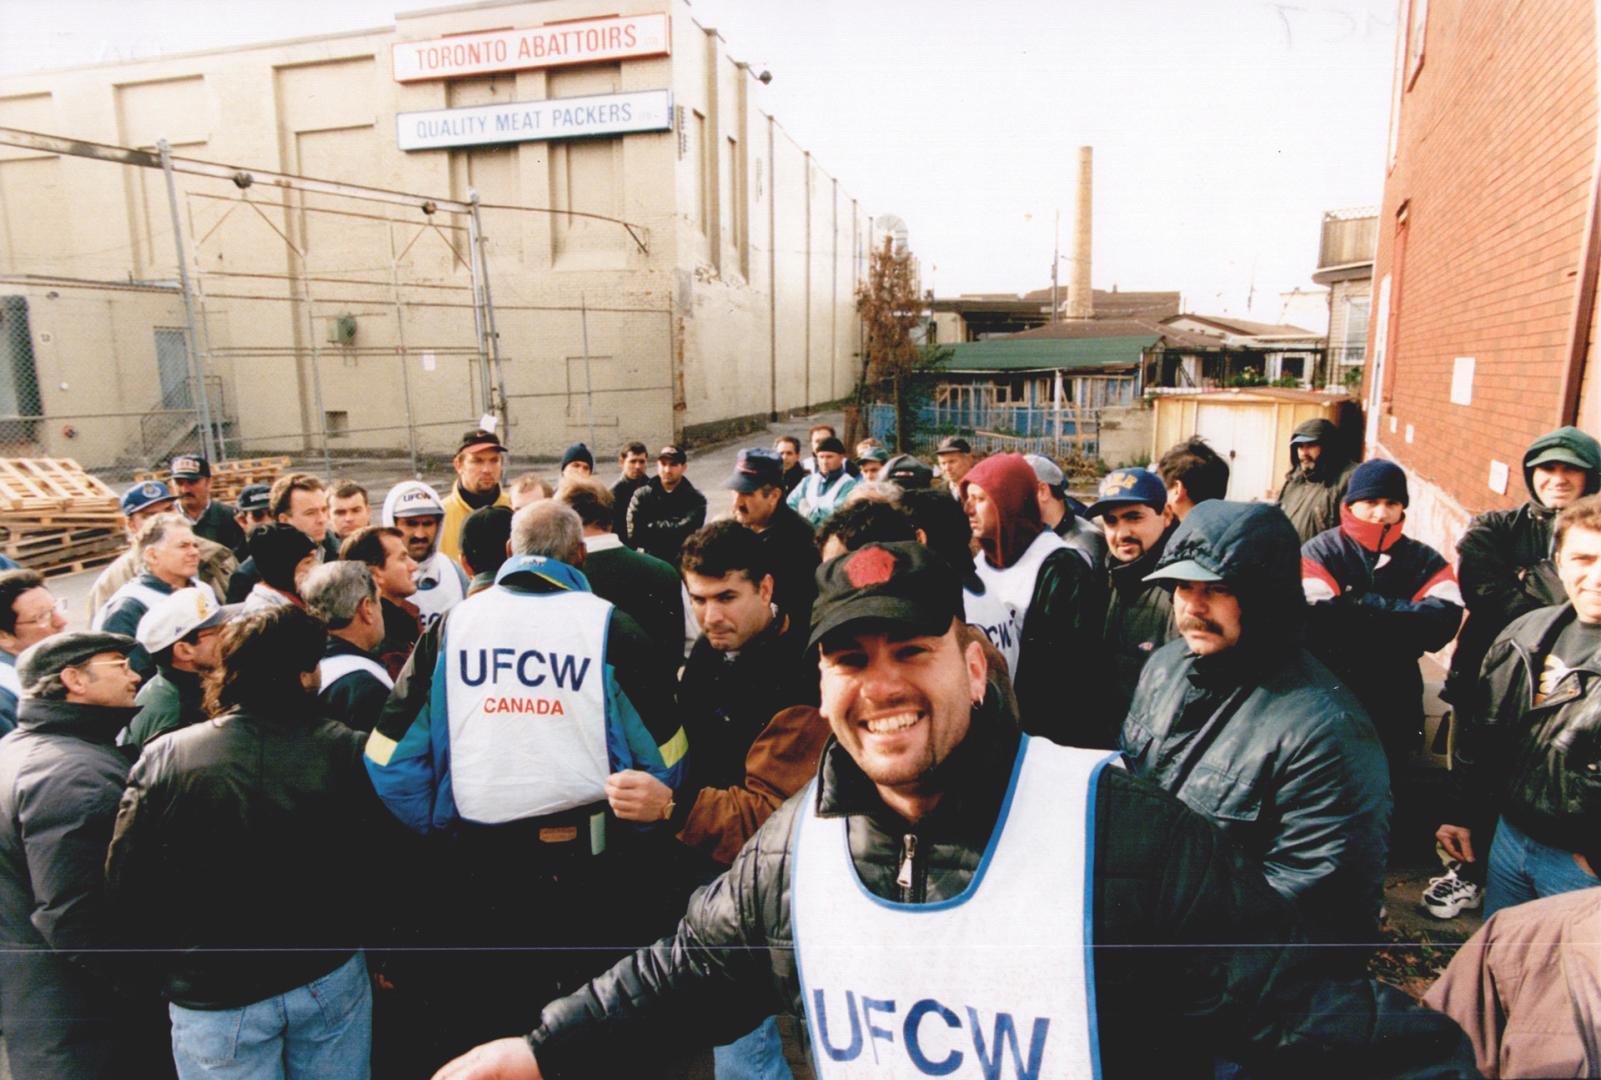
(43, 484)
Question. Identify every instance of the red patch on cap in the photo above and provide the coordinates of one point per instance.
(870, 566)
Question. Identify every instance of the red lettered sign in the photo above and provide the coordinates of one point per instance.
(537, 47)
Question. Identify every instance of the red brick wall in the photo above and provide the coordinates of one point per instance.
(1494, 161)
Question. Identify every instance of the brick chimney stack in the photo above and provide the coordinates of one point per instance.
(1080, 296)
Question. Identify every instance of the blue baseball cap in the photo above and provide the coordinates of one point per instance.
(143, 495)
(755, 470)
(1126, 487)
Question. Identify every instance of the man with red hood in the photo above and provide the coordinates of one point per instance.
(1035, 589)
(1379, 601)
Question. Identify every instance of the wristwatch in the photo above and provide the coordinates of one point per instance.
(667, 811)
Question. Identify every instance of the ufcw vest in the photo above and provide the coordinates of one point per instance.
(1009, 593)
(996, 982)
(525, 700)
(814, 500)
(145, 594)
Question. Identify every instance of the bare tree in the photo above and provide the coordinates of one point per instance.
(891, 308)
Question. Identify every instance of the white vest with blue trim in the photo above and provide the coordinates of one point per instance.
(525, 700)
(998, 981)
(815, 500)
(1011, 591)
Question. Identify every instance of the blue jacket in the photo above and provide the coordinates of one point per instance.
(408, 752)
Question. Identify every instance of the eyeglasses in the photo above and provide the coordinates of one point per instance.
(120, 663)
(48, 616)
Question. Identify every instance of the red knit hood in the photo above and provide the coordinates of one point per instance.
(1010, 483)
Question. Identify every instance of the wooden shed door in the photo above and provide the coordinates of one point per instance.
(1244, 436)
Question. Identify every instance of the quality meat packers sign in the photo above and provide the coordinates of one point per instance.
(528, 121)
(558, 44)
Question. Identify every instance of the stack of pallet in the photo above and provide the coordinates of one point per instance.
(55, 518)
(228, 477)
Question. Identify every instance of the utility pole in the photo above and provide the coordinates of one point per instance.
(1056, 261)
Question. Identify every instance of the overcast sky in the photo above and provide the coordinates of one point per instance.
(1222, 128)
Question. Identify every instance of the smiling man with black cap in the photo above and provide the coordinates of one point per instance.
(955, 878)
(479, 463)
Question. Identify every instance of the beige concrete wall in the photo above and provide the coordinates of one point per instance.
(698, 327)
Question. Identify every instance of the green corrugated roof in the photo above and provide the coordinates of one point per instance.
(1046, 354)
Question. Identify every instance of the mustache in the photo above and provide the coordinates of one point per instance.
(1193, 623)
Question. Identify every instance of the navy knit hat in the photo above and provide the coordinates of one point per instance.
(1377, 479)
(577, 452)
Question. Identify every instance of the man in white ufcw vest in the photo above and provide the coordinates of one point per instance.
(951, 898)
(514, 708)
(418, 512)
(170, 553)
(823, 491)
(354, 684)
(1036, 591)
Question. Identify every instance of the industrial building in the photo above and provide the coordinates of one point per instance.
(574, 217)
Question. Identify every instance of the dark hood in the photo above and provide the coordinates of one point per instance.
(1009, 481)
(1333, 460)
(1571, 439)
(1256, 551)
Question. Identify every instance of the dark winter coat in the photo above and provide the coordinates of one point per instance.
(1161, 874)
(1504, 564)
(646, 588)
(241, 850)
(171, 699)
(792, 556)
(622, 493)
(1261, 738)
(659, 521)
(218, 524)
(1378, 601)
(1539, 765)
(60, 779)
(1312, 499)
(1139, 620)
(356, 699)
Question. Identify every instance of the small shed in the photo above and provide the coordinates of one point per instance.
(1251, 427)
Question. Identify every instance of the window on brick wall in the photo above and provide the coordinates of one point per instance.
(1416, 24)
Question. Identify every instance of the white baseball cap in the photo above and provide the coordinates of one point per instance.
(179, 615)
(412, 498)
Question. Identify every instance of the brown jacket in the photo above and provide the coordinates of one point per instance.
(781, 761)
(1527, 988)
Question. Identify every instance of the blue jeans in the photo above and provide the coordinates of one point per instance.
(320, 1030)
(758, 1055)
(1523, 869)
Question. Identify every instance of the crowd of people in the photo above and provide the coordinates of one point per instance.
(558, 777)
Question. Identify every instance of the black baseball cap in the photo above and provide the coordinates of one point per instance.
(190, 467)
(901, 585)
(673, 455)
(254, 497)
(953, 444)
(908, 472)
(480, 439)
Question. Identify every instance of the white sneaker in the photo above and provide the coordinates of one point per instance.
(1449, 895)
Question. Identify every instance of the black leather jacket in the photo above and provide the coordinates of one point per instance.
(1275, 750)
(1162, 876)
(1505, 568)
(242, 849)
(1539, 765)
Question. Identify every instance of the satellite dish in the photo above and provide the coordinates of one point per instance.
(895, 228)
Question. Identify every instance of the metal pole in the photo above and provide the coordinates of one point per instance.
(316, 369)
(196, 370)
(589, 383)
(495, 362)
(203, 324)
(405, 359)
(478, 312)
